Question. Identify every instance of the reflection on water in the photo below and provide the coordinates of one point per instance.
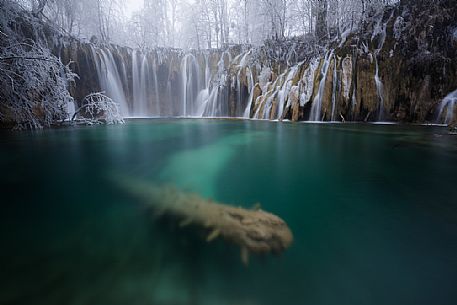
(372, 209)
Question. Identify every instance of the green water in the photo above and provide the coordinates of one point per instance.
(373, 210)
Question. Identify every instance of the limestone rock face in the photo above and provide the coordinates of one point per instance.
(294, 101)
(416, 64)
(400, 73)
(366, 95)
(346, 67)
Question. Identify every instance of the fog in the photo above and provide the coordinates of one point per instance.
(202, 24)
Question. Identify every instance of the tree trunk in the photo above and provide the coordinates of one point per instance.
(321, 22)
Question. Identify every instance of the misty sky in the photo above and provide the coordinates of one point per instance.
(132, 5)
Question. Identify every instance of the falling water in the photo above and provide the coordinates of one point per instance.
(380, 30)
(266, 101)
(283, 93)
(213, 98)
(316, 109)
(184, 84)
(141, 100)
(109, 78)
(447, 107)
(307, 82)
(136, 81)
(239, 97)
(156, 111)
(251, 86)
(191, 85)
(334, 89)
(379, 90)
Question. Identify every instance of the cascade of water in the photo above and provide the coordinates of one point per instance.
(202, 101)
(109, 78)
(258, 100)
(447, 106)
(238, 91)
(125, 83)
(316, 109)
(144, 103)
(251, 85)
(247, 111)
(380, 30)
(213, 104)
(308, 82)
(283, 92)
(191, 83)
(156, 111)
(184, 84)
(266, 101)
(379, 90)
(269, 106)
(135, 82)
(244, 59)
(207, 72)
(334, 89)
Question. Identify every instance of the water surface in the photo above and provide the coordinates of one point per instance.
(373, 210)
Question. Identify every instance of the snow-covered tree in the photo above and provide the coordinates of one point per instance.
(97, 108)
(34, 82)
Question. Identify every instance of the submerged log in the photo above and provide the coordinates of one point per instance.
(253, 230)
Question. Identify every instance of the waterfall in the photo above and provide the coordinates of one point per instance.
(249, 78)
(238, 91)
(109, 78)
(379, 90)
(307, 82)
(172, 82)
(136, 88)
(156, 109)
(334, 89)
(140, 76)
(283, 93)
(380, 30)
(215, 102)
(247, 111)
(447, 108)
(191, 85)
(316, 109)
(266, 100)
(185, 82)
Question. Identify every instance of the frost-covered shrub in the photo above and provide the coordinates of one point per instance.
(34, 83)
(97, 109)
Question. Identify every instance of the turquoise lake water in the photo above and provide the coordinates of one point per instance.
(373, 210)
